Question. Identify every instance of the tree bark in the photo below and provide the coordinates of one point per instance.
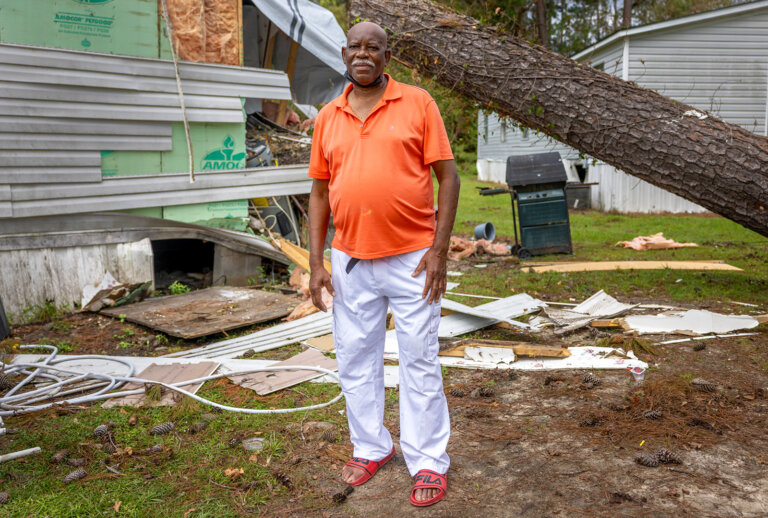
(626, 21)
(684, 150)
(541, 22)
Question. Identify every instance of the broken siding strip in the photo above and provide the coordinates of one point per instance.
(317, 324)
(54, 141)
(148, 184)
(17, 175)
(83, 126)
(9, 158)
(25, 108)
(136, 66)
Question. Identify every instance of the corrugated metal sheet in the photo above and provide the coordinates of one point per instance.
(121, 193)
(67, 270)
(620, 192)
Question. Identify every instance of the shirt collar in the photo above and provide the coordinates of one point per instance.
(393, 91)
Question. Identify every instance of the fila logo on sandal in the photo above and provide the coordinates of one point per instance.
(426, 479)
(361, 461)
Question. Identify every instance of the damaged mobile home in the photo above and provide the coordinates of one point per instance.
(112, 158)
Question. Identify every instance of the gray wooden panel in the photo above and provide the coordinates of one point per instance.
(162, 184)
(50, 141)
(37, 175)
(5, 209)
(11, 158)
(84, 126)
(19, 107)
(5, 192)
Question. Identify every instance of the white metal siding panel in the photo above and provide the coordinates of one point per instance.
(718, 65)
(620, 192)
(516, 141)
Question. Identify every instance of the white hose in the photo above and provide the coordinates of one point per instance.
(12, 403)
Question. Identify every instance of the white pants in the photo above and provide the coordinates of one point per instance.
(359, 325)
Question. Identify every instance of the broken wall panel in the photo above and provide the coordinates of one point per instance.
(59, 274)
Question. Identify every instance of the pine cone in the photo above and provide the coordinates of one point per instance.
(75, 475)
(456, 392)
(512, 374)
(703, 385)
(341, 496)
(60, 456)
(551, 379)
(197, 427)
(590, 421)
(79, 461)
(101, 430)
(699, 347)
(208, 416)
(653, 414)
(647, 460)
(4, 498)
(5, 381)
(157, 448)
(283, 479)
(591, 378)
(108, 447)
(486, 392)
(329, 435)
(668, 457)
(162, 429)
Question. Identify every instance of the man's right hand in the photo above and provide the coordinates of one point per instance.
(319, 278)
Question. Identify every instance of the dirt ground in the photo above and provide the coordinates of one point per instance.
(544, 443)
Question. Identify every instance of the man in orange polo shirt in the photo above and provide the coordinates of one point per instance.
(372, 151)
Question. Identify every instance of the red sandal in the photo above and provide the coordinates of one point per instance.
(369, 467)
(428, 479)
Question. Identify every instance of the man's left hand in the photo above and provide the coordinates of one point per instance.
(435, 264)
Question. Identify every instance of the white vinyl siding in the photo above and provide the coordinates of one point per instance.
(718, 65)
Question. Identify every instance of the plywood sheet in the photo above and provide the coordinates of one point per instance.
(170, 374)
(520, 348)
(267, 382)
(632, 265)
(208, 311)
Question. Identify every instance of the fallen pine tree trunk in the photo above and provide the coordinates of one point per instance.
(676, 147)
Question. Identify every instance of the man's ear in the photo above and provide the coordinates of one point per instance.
(387, 55)
(344, 54)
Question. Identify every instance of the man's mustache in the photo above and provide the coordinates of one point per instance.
(368, 62)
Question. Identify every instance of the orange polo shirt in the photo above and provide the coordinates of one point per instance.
(380, 186)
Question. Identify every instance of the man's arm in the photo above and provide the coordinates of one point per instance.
(435, 259)
(319, 216)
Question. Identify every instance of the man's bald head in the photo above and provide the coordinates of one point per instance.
(369, 30)
(366, 55)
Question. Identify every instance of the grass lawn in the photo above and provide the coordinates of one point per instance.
(296, 472)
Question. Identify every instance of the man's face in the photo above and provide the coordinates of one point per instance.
(366, 53)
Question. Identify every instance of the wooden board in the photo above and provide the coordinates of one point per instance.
(208, 311)
(322, 343)
(170, 374)
(631, 265)
(520, 348)
(267, 382)
(299, 255)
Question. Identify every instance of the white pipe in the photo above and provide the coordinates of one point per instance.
(17, 454)
(710, 337)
